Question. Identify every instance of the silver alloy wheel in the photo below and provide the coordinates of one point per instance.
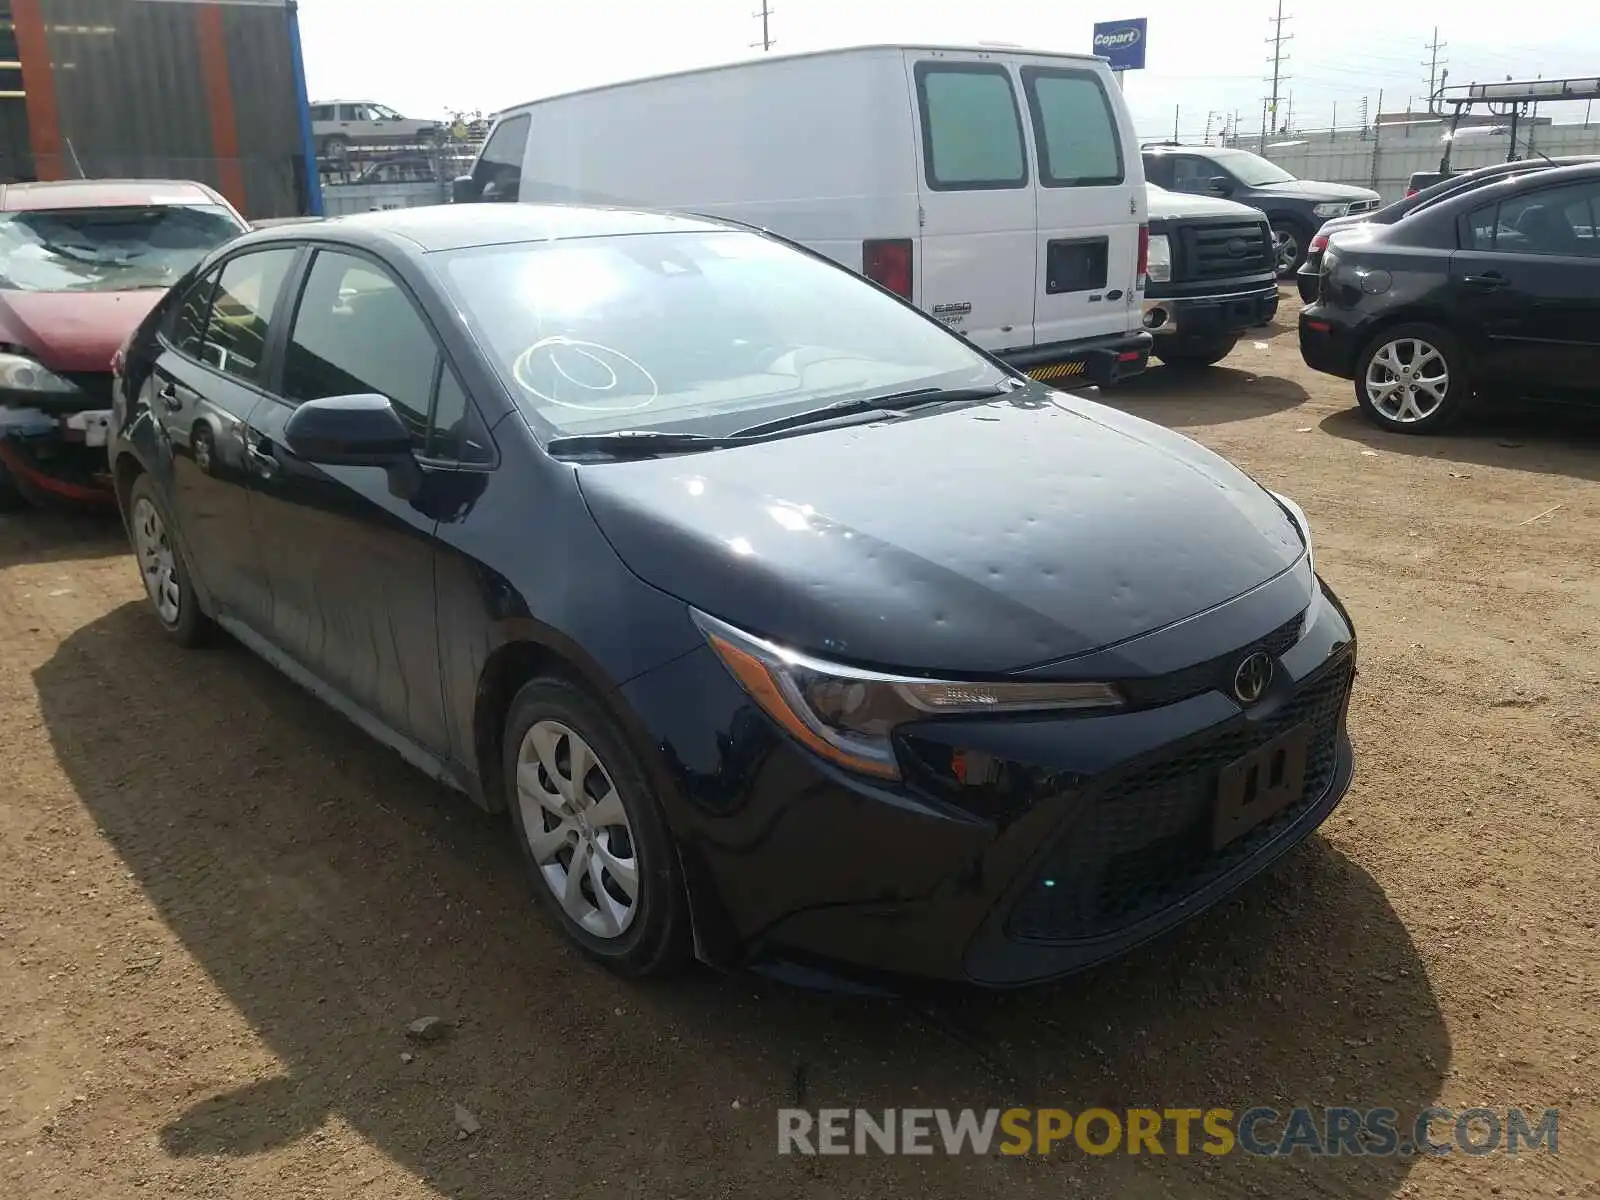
(202, 449)
(578, 829)
(1407, 380)
(157, 563)
(1285, 250)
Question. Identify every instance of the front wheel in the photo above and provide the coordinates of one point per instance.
(1289, 247)
(1413, 379)
(1192, 353)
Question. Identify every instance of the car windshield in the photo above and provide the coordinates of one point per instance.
(1251, 169)
(693, 332)
(108, 249)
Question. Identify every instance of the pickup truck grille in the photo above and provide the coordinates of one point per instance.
(1220, 251)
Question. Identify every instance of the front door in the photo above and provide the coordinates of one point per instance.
(349, 550)
(1091, 202)
(205, 384)
(977, 267)
(1527, 281)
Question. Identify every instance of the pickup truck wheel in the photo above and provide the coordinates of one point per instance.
(1289, 245)
(1191, 353)
(1413, 379)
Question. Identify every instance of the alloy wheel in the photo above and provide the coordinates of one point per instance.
(202, 451)
(1407, 380)
(157, 563)
(577, 829)
(1285, 250)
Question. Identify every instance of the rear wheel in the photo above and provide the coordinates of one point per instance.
(1413, 379)
(1192, 353)
(161, 565)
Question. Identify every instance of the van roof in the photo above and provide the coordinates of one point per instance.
(992, 48)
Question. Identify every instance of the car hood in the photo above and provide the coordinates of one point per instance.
(1166, 206)
(984, 540)
(1312, 189)
(73, 331)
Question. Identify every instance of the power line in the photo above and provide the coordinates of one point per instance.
(1278, 38)
(765, 15)
(1433, 64)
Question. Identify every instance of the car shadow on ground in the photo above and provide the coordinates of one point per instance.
(1182, 398)
(51, 535)
(334, 895)
(1549, 441)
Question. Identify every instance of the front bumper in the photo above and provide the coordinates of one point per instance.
(1066, 842)
(55, 456)
(1230, 312)
(1327, 344)
(1099, 361)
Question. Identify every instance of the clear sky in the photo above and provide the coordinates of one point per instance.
(1204, 56)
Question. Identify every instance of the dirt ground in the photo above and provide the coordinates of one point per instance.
(220, 906)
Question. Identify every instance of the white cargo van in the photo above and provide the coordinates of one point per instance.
(1001, 190)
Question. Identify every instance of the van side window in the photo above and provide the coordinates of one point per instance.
(1075, 128)
(497, 175)
(971, 129)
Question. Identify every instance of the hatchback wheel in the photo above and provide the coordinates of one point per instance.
(1413, 379)
(591, 833)
(161, 565)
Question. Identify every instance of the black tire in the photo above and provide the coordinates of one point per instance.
(203, 446)
(335, 146)
(1456, 400)
(1187, 354)
(1286, 229)
(656, 940)
(188, 626)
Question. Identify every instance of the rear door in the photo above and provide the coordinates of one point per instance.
(1528, 279)
(977, 269)
(1090, 202)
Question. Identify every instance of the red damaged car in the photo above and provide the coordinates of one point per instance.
(81, 264)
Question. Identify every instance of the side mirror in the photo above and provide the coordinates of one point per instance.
(348, 431)
(1221, 185)
(464, 190)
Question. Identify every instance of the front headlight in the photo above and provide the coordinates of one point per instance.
(1333, 208)
(19, 373)
(1302, 523)
(847, 714)
(1160, 262)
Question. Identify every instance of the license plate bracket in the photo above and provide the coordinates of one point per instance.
(1260, 784)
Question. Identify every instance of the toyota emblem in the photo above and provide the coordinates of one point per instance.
(1251, 678)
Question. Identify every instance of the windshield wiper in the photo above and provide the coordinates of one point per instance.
(893, 403)
(641, 443)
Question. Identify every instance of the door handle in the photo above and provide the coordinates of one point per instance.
(1488, 280)
(259, 452)
(167, 393)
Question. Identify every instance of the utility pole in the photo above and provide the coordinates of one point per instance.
(1263, 147)
(766, 30)
(1288, 121)
(1276, 41)
(1175, 123)
(1433, 64)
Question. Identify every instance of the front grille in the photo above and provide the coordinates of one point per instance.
(1143, 841)
(1221, 251)
(1213, 674)
(1361, 206)
(94, 384)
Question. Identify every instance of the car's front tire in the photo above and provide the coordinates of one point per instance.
(1290, 244)
(1413, 379)
(167, 578)
(1194, 353)
(597, 848)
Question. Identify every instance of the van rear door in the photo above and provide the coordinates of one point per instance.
(1090, 197)
(974, 190)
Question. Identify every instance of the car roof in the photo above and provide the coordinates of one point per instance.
(1169, 148)
(104, 193)
(459, 226)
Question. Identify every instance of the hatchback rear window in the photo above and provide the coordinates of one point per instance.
(1075, 128)
(108, 249)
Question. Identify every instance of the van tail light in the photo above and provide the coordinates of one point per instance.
(1144, 254)
(887, 262)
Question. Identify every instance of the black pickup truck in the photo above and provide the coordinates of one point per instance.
(1212, 276)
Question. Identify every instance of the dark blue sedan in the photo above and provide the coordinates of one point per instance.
(787, 626)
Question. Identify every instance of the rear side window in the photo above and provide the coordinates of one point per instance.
(1075, 128)
(1553, 221)
(971, 127)
(238, 324)
(498, 172)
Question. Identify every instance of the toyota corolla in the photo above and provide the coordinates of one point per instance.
(787, 626)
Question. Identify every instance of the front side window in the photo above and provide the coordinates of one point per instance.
(119, 249)
(238, 324)
(1191, 174)
(1249, 169)
(187, 328)
(356, 332)
(498, 171)
(971, 131)
(702, 332)
(1075, 128)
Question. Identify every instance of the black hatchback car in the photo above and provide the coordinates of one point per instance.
(1493, 292)
(785, 624)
